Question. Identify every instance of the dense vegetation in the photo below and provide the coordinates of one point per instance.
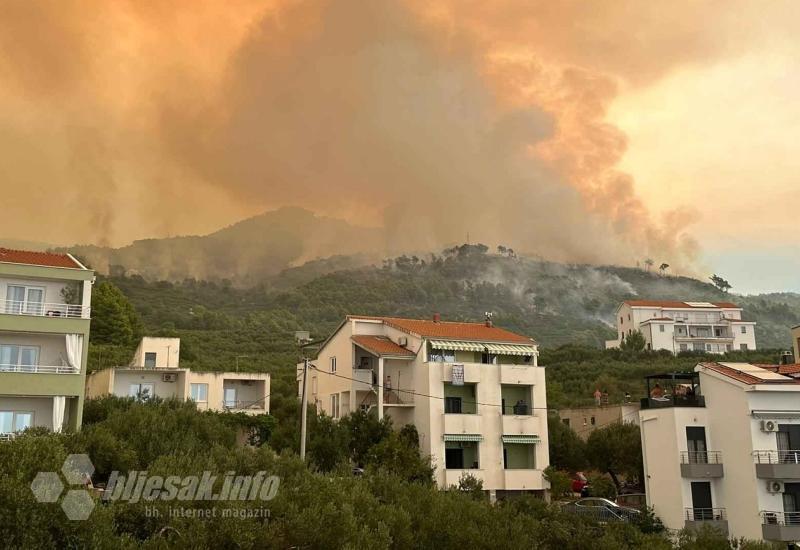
(314, 508)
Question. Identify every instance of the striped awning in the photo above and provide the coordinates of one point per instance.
(498, 349)
(463, 437)
(456, 345)
(524, 439)
(511, 349)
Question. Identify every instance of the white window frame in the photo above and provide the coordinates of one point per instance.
(23, 306)
(17, 365)
(155, 359)
(14, 415)
(332, 363)
(335, 402)
(198, 386)
(744, 329)
(228, 402)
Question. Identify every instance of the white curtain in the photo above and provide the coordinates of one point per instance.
(74, 350)
(59, 402)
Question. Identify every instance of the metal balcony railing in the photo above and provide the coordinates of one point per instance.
(6, 436)
(39, 369)
(777, 457)
(705, 514)
(243, 405)
(701, 457)
(769, 517)
(44, 309)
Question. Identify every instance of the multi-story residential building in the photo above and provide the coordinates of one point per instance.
(685, 326)
(155, 372)
(45, 303)
(796, 343)
(474, 392)
(721, 446)
(585, 420)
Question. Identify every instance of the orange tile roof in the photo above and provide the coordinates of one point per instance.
(28, 257)
(450, 330)
(380, 345)
(671, 304)
(749, 378)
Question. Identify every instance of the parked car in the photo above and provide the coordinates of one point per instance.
(602, 510)
(633, 500)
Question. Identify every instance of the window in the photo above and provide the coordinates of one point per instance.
(519, 456)
(743, 347)
(621, 320)
(516, 399)
(684, 347)
(488, 358)
(25, 299)
(593, 421)
(15, 421)
(142, 391)
(661, 328)
(18, 358)
(443, 356)
(565, 421)
(461, 455)
(333, 364)
(150, 358)
(199, 392)
(744, 330)
(459, 399)
(230, 398)
(452, 405)
(629, 316)
(335, 405)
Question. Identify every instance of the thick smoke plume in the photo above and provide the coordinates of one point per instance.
(428, 124)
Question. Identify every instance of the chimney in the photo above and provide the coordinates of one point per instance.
(787, 358)
(437, 318)
(489, 323)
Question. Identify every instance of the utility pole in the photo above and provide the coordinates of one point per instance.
(304, 411)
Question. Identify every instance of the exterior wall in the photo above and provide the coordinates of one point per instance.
(49, 333)
(796, 343)
(580, 418)
(216, 382)
(739, 339)
(100, 383)
(167, 350)
(41, 407)
(123, 378)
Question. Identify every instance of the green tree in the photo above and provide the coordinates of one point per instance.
(720, 283)
(114, 320)
(616, 449)
(633, 342)
(567, 450)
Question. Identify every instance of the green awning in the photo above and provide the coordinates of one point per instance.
(463, 437)
(524, 439)
(511, 349)
(456, 345)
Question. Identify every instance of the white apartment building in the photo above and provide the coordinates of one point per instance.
(685, 326)
(474, 392)
(721, 447)
(155, 372)
(45, 304)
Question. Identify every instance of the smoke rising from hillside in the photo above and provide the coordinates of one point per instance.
(137, 120)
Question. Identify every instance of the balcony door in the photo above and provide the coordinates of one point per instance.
(701, 501)
(788, 439)
(791, 503)
(25, 299)
(696, 444)
(230, 397)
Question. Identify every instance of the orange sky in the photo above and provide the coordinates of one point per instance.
(623, 130)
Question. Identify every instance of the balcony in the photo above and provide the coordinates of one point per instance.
(452, 477)
(462, 424)
(362, 379)
(513, 425)
(777, 464)
(673, 401)
(45, 309)
(716, 518)
(701, 464)
(780, 526)
(398, 398)
(238, 405)
(523, 480)
(39, 369)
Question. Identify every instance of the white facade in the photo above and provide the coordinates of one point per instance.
(493, 427)
(155, 372)
(729, 454)
(685, 326)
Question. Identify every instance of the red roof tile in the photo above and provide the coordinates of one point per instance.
(677, 305)
(750, 378)
(451, 330)
(380, 345)
(28, 257)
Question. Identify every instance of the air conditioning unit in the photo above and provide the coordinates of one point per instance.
(169, 377)
(775, 486)
(402, 341)
(769, 426)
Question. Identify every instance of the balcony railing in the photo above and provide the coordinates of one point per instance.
(39, 369)
(705, 514)
(44, 309)
(769, 517)
(673, 401)
(7, 436)
(776, 457)
(701, 457)
(244, 405)
(520, 409)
